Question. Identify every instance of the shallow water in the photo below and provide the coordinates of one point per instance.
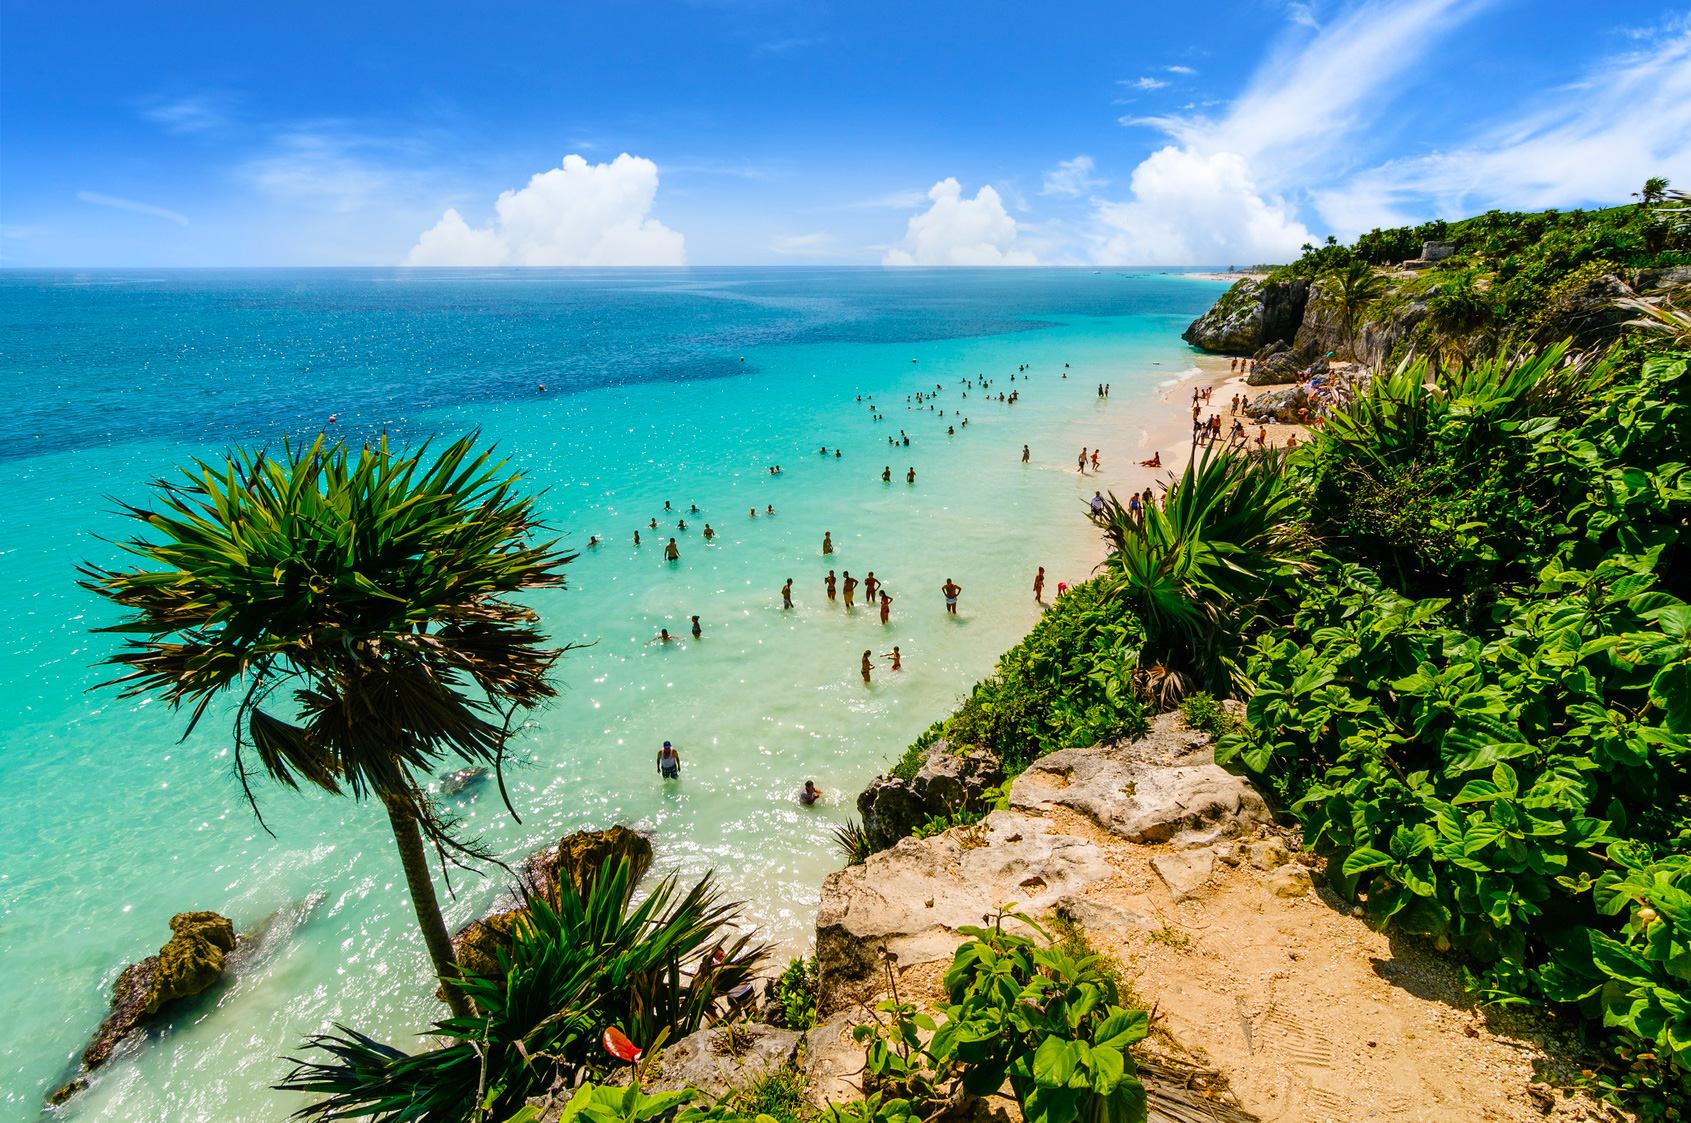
(111, 825)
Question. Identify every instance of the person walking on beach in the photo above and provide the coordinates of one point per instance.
(951, 589)
(1094, 460)
(1024, 454)
(866, 667)
(698, 632)
(669, 762)
(787, 594)
(1080, 464)
(827, 542)
(672, 552)
(850, 590)
(1039, 586)
(886, 610)
(1097, 504)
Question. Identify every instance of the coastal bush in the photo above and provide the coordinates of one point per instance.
(1196, 567)
(593, 959)
(1503, 768)
(1204, 713)
(852, 842)
(1020, 1010)
(1069, 683)
(795, 994)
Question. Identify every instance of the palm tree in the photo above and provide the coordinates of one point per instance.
(1354, 289)
(374, 586)
(1654, 190)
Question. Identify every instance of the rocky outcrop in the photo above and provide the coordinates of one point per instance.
(1250, 315)
(946, 782)
(190, 962)
(577, 857)
(1279, 406)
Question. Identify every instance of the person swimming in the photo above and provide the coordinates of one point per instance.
(680, 524)
(593, 542)
(769, 509)
(663, 636)
(669, 762)
(709, 533)
(810, 794)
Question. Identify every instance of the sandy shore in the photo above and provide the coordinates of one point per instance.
(1238, 275)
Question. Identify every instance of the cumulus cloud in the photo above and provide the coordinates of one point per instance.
(1193, 208)
(1221, 192)
(1071, 177)
(959, 231)
(575, 214)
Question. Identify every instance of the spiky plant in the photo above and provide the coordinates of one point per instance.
(1194, 566)
(354, 605)
(852, 842)
(572, 966)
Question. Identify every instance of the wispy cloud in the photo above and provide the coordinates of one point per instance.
(818, 244)
(891, 201)
(1594, 140)
(778, 48)
(188, 114)
(1146, 83)
(1303, 15)
(1183, 71)
(120, 204)
(1071, 178)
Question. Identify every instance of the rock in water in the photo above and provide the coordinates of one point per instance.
(577, 857)
(189, 963)
(456, 783)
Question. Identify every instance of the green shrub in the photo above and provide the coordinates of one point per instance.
(777, 1096)
(795, 994)
(1202, 712)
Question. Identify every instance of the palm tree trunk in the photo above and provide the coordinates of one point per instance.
(415, 861)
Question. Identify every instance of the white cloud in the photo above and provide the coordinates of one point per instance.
(1221, 192)
(1146, 83)
(1071, 177)
(576, 214)
(1194, 209)
(187, 115)
(1183, 71)
(958, 231)
(117, 204)
(1302, 14)
(1594, 140)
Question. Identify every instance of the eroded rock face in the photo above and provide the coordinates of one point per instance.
(190, 962)
(947, 781)
(1141, 803)
(912, 899)
(1278, 405)
(1249, 315)
(577, 857)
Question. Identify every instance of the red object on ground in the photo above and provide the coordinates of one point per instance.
(618, 1045)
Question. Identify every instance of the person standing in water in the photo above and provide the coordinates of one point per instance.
(886, 610)
(850, 589)
(951, 589)
(787, 594)
(869, 587)
(669, 762)
(897, 659)
(810, 794)
(832, 584)
(886, 474)
(709, 533)
(672, 552)
(698, 632)
(1024, 454)
(637, 538)
(1039, 586)
(827, 542)
(1080, 464)
(910, 476)
(866, 667)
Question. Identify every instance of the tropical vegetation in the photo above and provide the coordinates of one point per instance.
(354, 606)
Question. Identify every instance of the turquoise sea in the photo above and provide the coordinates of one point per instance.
(678, 385)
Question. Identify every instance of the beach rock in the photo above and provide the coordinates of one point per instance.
(1248, 315)
(456, 783)
(577, 857)
(1140, 802)
(1184, 871)
(912, 899)
(1278, 405)
(723, 1059)
(1291, 880)
(946, 782)
(833, 1062)
(190, 962)
(1593, 314)
(1269, 854)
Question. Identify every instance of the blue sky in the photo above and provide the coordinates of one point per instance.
(764, 131)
